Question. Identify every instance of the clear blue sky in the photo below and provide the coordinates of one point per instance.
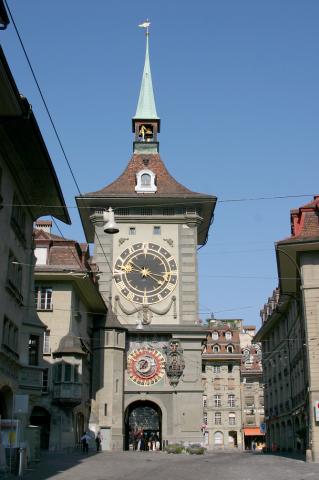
(236, 87)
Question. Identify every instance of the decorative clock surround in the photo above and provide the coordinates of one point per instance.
(145, 273)
(175, 363)
(146, 366)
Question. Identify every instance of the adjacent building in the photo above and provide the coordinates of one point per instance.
(221, 378)
(253, 413)
(289, 336)
(68, 302)
(29, 188)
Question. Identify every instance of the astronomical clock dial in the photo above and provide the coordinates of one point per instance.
(146, 366)
(145, 273)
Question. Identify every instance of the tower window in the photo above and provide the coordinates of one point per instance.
(146, 180)
(157, 230)
(132, 230)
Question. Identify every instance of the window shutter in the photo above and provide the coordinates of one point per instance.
(231, 384)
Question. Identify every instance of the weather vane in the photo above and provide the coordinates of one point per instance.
(145, 24)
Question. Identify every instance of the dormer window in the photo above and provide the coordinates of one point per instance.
(145, 181)
(228, 335)
(215, 336)
(230, 349)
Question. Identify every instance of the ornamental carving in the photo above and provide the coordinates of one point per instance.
(174, 361)
(31, 377)
(146, 311)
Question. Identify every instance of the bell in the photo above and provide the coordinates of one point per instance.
(111, 227)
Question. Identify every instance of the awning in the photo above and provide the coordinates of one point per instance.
(253, 431)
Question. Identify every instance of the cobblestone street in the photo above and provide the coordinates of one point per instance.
(159, 466)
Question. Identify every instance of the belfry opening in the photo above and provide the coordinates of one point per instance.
(143, 426)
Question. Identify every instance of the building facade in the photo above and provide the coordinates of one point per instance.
(253, 408)
(67, 300)
(27, 179)
(149, 280)
(289, 336)
(221, 370)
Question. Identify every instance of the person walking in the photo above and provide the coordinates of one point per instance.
(142, 443)
(85, 439)
(254, 445)
(98, 441)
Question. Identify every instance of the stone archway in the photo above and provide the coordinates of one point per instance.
(80, 421)
(42, 418)
(142, 415)
(283, 437)
(6, 397)
(290, 438)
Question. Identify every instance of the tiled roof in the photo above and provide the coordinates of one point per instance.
(67, 255)
(304, 223)
(167, 186)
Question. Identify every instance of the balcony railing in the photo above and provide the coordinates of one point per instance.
(68, 393)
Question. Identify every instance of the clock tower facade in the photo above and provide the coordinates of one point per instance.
(148, 348)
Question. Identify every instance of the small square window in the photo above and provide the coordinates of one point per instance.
(157, 230)
(132, 230)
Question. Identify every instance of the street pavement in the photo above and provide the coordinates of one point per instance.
(161, 466)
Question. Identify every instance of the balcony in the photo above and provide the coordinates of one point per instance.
(68, 393)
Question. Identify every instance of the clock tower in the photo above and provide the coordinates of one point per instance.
(149, 280)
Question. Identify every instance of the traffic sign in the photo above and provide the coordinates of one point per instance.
(263, 428)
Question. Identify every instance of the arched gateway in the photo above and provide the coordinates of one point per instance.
(142, 415)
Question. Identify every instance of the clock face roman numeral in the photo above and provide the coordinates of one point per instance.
(120, 285)
(130, 296)
(170, 287)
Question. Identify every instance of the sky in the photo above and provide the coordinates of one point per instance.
(236, 88)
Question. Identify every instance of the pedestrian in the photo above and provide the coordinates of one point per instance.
(254, 445)
(98, 441)
(142, 443)
(85, 440)
(134, 443)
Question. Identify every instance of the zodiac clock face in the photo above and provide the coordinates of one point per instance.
(146, 366)
(145, 273)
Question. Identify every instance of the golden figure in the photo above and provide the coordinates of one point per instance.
(145, 131)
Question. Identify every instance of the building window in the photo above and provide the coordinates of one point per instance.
(230, 349)
(146, 211)
(232, 419)
(76, 373)
(45, 387)
(231, 400)
(157, 230)
(231, 384)
(33, 350)
(46, 342)
(203, 368)
(217, 383)
(77, 308)
(230, 368)
(122, 211)
(215, 349)
(205, 418)
(43, 298)
(228, 335)
(41, 254)
(106, 338)
(215, 336)
(59, 372)
(14, 275)
(145, 180)
(218, 418)
(216, 368)
(67, 372)
(217, 400)
(132, 230)
(204, 401)
(10, 335)
(18, 217)
(218, 438)
(105, 410)
(117, 386)
(168, 211)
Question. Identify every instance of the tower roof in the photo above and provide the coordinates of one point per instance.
(146, 109)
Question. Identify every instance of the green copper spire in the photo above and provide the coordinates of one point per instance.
(146, 109)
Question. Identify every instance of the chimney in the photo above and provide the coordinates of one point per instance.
(44, 225)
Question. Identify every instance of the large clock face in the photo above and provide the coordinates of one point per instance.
(145, 273)
(146, 366)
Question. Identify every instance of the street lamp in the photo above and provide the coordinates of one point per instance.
(110, 227)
